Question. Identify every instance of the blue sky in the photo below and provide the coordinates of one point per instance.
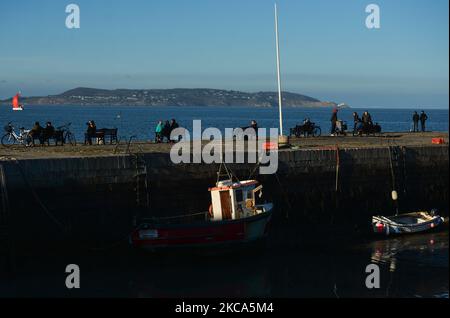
(326, 50)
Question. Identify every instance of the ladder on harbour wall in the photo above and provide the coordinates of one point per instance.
(141, 189)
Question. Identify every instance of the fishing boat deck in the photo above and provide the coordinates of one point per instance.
(343, 142)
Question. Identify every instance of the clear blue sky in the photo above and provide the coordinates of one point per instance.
(327, 52)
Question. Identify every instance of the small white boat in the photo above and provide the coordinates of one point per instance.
(407, 223)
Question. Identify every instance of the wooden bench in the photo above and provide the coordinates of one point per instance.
(44, 137)
(102, 134)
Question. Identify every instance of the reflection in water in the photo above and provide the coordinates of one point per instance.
(427, 253)
(386, 251)
(413, 266)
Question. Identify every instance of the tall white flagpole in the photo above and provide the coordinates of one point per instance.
(278, 72)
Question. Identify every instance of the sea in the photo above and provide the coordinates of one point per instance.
(140, 121)
(414, 266)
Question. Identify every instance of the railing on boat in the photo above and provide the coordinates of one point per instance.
(185, 218)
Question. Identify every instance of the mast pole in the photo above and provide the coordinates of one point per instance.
(278, 72)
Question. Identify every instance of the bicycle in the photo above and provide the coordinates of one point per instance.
(68, 136)
(11, 138)
(306, 130)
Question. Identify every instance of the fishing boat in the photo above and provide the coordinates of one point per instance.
(15, 103)
(235, 216)
(407, 223)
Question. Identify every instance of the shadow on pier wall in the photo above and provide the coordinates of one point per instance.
(93, 202)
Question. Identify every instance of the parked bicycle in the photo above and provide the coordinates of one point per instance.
(307, 129)
(12, 138)
(68, 136)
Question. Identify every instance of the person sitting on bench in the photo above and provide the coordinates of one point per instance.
(91, 132)
(48, 132)
(36, 133)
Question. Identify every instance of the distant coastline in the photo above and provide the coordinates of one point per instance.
(172, 97)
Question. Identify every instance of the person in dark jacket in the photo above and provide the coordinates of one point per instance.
(173, 125)
(367, 119)
(166, 131)
(36, 133)
(91, 131)
(423, 119)
(254, 125)
(415, 119)
(356, 121)
(334, 119)
(48, 132)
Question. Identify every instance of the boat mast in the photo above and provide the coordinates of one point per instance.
(278, 72)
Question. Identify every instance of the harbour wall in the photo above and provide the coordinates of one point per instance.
(97, 199)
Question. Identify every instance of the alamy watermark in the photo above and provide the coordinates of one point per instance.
(373, 279)
(233, 148)
(373, 20)
(73, 279)
(73, 19)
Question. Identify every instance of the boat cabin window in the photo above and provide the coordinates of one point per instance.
(239, 196)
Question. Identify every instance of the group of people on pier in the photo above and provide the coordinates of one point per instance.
(416, 118)
(163, 130)
(41, 133)
(361, 125)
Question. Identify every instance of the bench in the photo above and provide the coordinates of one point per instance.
(102, 134)
(44, 137)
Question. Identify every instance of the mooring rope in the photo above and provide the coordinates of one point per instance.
(338, 163)
(391, 168)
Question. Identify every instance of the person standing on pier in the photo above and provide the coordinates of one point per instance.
(415, 122)
(158, 132)
(423, 119)
(254, 125)
(173, 125)
(356, 121)
(367, 119)
(334, 119)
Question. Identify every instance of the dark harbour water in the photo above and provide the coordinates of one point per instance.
(413, 267)
(141, 121)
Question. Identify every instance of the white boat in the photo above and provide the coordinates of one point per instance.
(407, 223)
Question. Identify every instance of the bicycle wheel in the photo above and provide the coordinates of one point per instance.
(317, 132)
(70, 138)
(8, 140)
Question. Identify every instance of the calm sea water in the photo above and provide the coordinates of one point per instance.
(411, 266)
(140, 121)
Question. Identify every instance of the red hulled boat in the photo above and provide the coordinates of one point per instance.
(234, 217)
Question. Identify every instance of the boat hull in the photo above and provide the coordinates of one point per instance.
(201, 234)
